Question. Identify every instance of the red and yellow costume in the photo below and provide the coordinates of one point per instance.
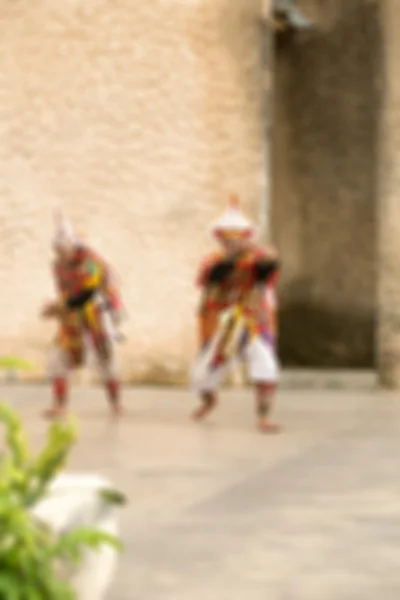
(87, 310)
(242, 278)
(237, 313)
(85, 288)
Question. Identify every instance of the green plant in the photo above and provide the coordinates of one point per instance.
(31, 556)
(15, 363)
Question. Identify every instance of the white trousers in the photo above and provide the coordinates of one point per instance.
(107, 369)
(259, 357)
(58, 366)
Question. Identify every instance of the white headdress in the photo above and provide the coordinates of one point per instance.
(64, 234)
(233, 219)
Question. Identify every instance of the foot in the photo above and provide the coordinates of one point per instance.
(202, 412)
(55, 412)
(266, 426)
(117, 409)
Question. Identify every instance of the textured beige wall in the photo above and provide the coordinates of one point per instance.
(389, 202)
(327, 99)
(137, 117)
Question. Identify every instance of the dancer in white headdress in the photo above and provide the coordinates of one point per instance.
(238, 315)
(88, 309)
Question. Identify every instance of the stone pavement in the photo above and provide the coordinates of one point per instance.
(220, 512)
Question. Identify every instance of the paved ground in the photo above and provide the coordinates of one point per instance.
(219, 512)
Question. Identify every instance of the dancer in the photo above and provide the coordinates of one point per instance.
(88, 311)
(237, 315)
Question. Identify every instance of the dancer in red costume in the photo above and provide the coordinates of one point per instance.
(88, 310)
(237, 315)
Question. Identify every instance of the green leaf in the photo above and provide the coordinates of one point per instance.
(17, 443)
(50, 461)
(71, 545)
(9, 589)
(15, 363)
(113, 497)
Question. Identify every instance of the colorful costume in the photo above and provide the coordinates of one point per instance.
(229, 286)
(237, 310)
(88, 309)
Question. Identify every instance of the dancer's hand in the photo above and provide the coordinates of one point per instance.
(117, 316)
(51, 310)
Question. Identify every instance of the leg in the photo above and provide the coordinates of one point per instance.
(263, 370)
(205, 383)
(113, 388)
(60, 384)
(265, 393)
(111, 382)
(209, 401)
(106, 362)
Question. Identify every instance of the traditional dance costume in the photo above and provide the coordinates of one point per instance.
(88, 311)
(237, 316)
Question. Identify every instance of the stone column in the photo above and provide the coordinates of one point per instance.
(266, 119)
(388, 332)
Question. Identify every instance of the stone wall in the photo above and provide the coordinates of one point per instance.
(388, 338)
(327, 97)
(137, 118)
